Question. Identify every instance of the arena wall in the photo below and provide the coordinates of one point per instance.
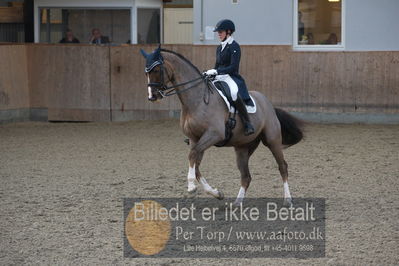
(107, 83)
(14, 87)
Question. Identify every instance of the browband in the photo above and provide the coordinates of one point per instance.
(158, 62)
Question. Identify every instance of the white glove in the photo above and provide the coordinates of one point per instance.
(211, 72)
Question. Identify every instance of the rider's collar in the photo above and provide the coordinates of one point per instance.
(227, 41)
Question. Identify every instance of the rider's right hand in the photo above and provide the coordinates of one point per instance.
(211, 72)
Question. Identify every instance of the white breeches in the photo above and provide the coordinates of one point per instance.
(232, 84)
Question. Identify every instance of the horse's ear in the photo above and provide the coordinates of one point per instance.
(158, 50)
(143, 53)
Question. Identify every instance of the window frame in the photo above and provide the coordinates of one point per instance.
(135, 21)
(40, 7)
(325, 47)
(160, 22)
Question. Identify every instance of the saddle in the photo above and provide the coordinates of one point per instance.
(224, 91)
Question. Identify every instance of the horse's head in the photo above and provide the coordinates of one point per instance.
(155, 72)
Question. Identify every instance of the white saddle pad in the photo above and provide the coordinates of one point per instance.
(250, 109)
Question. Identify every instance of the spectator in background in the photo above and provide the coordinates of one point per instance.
(98, 38)
(332, 39)
(69, 37)
(310, 38)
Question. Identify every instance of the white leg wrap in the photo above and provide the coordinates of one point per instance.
(208, 189)
(149, 89)
(241, 194)
(191, 179)
(287, 193)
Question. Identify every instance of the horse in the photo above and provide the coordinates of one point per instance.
(203, 117)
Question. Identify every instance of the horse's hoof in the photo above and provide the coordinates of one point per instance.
(237, 202)
(288, 202)
(191, 194)
(191, 191)
(220, 196)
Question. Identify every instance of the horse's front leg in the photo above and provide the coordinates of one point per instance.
(191, 176)
(207, 140)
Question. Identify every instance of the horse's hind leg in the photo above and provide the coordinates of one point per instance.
(276, 148)
(243, 154)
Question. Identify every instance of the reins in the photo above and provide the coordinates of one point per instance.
(166, 91)
(169, 91)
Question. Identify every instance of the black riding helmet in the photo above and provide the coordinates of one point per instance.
(225, 24)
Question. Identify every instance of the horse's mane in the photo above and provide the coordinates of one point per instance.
(183, 58)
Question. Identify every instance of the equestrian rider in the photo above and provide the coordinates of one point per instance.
(228, 55)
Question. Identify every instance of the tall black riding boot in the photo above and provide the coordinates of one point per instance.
(242, 112)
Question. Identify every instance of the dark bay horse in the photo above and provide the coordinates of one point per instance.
(203, 117)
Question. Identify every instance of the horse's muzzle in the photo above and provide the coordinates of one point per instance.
(152, 98)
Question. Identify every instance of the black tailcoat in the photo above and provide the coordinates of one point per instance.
(228, 62)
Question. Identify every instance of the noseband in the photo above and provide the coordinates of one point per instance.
(165, 90)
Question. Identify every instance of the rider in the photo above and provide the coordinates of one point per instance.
(228, 55)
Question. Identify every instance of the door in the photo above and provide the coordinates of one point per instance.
(178, 25)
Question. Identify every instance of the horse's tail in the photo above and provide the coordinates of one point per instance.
(291, 127)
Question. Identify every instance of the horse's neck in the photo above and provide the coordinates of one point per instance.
(190, 98)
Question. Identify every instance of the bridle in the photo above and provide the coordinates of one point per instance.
(165, 90)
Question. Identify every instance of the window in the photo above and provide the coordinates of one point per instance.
(148, 26)
(112, 24)
(12, 20)
(318, 24)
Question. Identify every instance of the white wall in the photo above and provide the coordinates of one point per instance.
(257, 21)
(372, 25)
(131, 4)
(369, 24)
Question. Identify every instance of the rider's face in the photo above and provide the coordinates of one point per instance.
(222, 35)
